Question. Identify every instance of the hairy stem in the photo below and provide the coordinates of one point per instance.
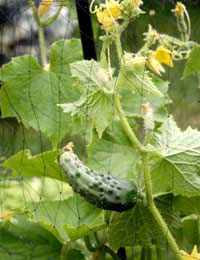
(126, 125)
(64, 251)
(34, 10)
(119, 48)
(40, 33)
(42, 46)
(147, 179)
(88, 244)
(155, 212)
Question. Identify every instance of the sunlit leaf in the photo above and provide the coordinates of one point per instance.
(31, 94)
(177, 165)
(69, 219)
(140, 82)
(94, 108)
(114, 153)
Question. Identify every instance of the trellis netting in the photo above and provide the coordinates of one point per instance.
(131, 115)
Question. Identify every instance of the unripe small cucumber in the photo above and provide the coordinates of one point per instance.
(101, 189)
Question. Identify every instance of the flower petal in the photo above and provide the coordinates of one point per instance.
(164, 56)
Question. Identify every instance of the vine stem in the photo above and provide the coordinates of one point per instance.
(64, 250)
(154, 211)
(126, 125)
(40, 33)
(40, 25)
(42, 46)
(34, 10)
(119, 48)
(147, 179)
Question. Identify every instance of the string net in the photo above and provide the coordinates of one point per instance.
(39, 212)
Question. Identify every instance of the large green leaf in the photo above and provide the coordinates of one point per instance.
(23, 164)
(31, 94)
(138, 227)
(193, 63)
(95, 108)
(62, 53)
(177, 166)
(15, 137)
(15, 194)
(139, 81)
(92, 75)
(113, 153)
(190, 233)
(21, 240)
(69, 219)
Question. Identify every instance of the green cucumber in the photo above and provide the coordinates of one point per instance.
(101, 189)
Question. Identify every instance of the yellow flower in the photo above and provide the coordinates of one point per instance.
(107, 14)
(155, 65)
(160, 56)
(179, 9)
(194, 255)
(44, 7)
(164, 56)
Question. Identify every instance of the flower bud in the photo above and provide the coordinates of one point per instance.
(44, 7)
(148, 117)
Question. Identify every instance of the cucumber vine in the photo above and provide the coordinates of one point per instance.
(135, 162)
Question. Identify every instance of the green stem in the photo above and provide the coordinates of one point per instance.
(40, 33)
(198, 228)
(103, 57)
(35, 14)
(119, 48)
(148, 136)
(188, 23)
(155, 212)
(47, 22)
(88, 244)
(64, 251)
(97, 240)
(126, 125)
(147, 179)
(42, 46)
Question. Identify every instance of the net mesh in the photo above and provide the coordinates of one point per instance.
(40, 213)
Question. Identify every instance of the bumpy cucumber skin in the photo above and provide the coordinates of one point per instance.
(101, 189)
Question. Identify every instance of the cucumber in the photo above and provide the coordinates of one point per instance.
(101, 189)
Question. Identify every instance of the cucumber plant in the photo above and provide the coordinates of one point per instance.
(117, 109)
